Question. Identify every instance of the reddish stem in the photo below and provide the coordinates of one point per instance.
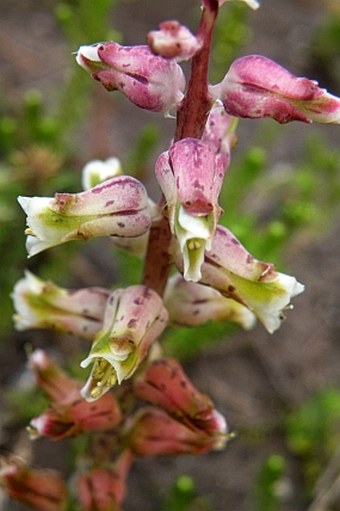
(191, 119)
(193, 112)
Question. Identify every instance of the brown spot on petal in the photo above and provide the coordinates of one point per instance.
(198, 185)
(132, 323)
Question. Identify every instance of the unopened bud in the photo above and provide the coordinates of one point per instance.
(148, 80)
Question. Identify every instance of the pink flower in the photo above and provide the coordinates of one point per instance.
(57, 385)
(256, 86)
(117, 207)
(43, 304)
(165, 384)
(220, 131)
(134, 318)
(104, 488)
(192, 304)
(173, 40)
(43, 490)
(190, 175)
(69, 414)
(235, 273)
(153, 432)
(148, 80)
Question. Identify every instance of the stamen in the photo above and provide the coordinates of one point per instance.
(194, 244)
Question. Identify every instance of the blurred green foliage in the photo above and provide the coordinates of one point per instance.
(324, 51)
(269, 478)
(313, 433)
(231, 35)
(183, 497)
(36, 148)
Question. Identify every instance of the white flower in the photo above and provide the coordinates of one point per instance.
(97, 171)
(118, 207)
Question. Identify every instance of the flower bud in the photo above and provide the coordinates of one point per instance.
(256, 86)
(229, 268)
(117, 207)
(76, 417)
(103, 488)
(165, 384)
(148, 80)
(57, 385)
(190, 175)
(43, 304)
(173, 40)
(193, 304)
(133, 320)
(153, 432)
(97, 171)
(69, 414)
(43, 490)
(220, 131)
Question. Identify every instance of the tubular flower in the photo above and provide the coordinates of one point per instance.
(148, 80)
(220, 131)
(134, 318)
(229, 268)
(61, 421)
(165, 384)
(192, 304)
(117, 207)
(256, 86)
(43, 304)
(190, 176)
(103, 488)
(69, 414)
(97, 171)
(153, 432)
(43, 490)
(51, 379)
(173, 40)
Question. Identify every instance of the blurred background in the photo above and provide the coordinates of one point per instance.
(280, 393)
